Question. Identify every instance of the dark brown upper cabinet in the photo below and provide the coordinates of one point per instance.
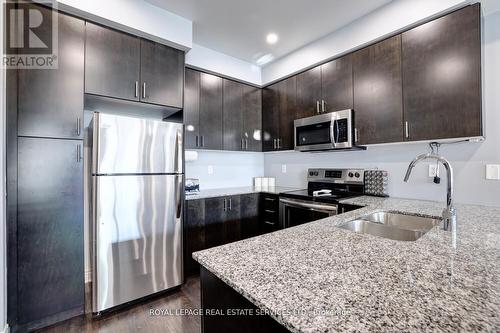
(191, 112)
(279, 110)
(325, 88)
(442, 77)
(378, 97)
(233, 115)
(123, 66)
(112, 63)
(162, 73)
(203, 111)
(50, 101)
(210, 112)
(309, 92)
(270, 117)
(336, 85)
(252, 118)
(287, 112)
(242, 117)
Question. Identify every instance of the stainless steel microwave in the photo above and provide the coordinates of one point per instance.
(325, 132)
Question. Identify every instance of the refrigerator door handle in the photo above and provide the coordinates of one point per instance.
(178, 197)
(178, 152)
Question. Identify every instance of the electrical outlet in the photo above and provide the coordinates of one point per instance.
(283, 168)
(493, 171)
(433, 170)
(210, 170)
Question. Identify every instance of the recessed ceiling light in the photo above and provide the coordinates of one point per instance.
(271, 38)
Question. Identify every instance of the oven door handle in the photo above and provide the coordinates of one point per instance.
(332, 208)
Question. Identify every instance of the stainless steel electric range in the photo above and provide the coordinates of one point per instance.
(321, 199)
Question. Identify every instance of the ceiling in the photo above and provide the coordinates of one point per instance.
(239, 27)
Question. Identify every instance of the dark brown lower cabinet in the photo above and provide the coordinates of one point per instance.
(268, 213)
(50, 271)
(216, 221)
(216, 295)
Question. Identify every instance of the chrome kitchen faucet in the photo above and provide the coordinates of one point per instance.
(449, 213)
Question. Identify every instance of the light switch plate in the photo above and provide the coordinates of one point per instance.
(493, 171)
(210, 170)
(283, 168)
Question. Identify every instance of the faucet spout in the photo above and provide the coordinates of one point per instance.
(449, 214)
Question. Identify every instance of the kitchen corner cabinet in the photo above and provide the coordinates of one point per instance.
(279, 110)
(442, 77)
(378, 93)
(126, 67)
(221, 114)
(50, 101)
(203, 110)
(50, 271)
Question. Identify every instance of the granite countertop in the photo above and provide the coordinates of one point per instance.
(222, 192)
(319, 278)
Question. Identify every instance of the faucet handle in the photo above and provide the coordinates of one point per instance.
(449, 218)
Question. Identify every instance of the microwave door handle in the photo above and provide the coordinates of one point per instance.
(333, 133)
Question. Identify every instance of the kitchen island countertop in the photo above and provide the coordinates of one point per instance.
(317, 277)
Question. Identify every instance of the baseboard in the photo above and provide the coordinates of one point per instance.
(6, 329)
(88, 276)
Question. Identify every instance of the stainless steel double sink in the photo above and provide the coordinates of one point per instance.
(392, 225)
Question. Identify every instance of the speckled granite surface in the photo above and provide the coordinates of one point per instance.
(222, 192)
(320, 278)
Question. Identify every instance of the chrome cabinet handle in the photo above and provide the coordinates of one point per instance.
(230, 204)
(323, 106)
(270, 223)
(144, 90)
(407, 130)
(246, 144)
(78, 126)
(197, 141)
(224, 204)
(274, 143)
(279, 143)
(202, 141)
(317, 107)
(136, 91)
(242, 144)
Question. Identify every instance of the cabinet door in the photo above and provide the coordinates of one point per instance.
(210, 111)
(442, 77)
(233, 115)
(249, 211)
(51, 100)
(191, 112)
(378, 109)
(287, 106)
(194, 234)
(336, 84)
(252, 118)
(232, 224)
(50, 274)
(162, 73)
(270, 117)
(214, 222)
(308, 92)
(112, 63)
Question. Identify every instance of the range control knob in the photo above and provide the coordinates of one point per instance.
(357, 174)
(350, 175)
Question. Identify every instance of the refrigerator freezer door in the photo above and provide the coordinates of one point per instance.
(127, 145)
(137, 237)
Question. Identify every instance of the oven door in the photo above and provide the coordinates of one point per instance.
(294, 212)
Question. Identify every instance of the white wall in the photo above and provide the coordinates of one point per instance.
(137, 17)
(220, 63)
(468, 159)
(3, 185)
(231, 169)
(384, 21)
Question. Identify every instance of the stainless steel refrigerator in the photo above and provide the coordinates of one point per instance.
(136, 208)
